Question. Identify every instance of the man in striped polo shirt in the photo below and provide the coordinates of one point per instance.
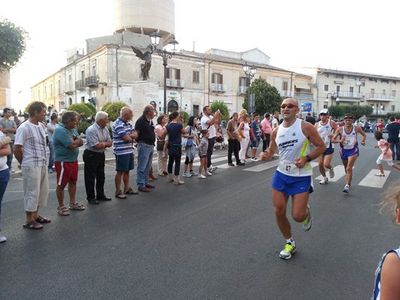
(123, 137)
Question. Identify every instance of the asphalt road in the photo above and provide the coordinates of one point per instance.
(208, 239)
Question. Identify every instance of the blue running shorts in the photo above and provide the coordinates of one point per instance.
(346, 153)
(291, 185)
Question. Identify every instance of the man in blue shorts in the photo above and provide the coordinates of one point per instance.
(293, 176)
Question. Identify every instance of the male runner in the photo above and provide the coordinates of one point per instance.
(348, 146)
(293, 176)
(326, 128)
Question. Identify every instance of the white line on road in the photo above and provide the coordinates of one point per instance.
(374, 181)
(339, 173)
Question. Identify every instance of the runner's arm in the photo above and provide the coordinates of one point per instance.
(312, 134)
(336, 135)
(360, 131)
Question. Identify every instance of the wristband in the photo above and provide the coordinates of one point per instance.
(308, 158)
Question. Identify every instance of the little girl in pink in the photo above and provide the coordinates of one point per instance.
(386, 154)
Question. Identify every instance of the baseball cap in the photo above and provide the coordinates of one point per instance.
(324, 111)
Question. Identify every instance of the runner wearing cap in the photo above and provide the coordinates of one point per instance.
(326, 128)
(347, 135)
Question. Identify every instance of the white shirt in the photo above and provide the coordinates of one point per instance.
(274, 123)
(212, 132)
(3, 159)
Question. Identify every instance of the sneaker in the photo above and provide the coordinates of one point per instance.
(241, 164)
(231, 164)
(324, 181)
(254, 158)
(209, 173)
(287, 251)
(331, 173)
(380, 174)
(2, 238)
(187, 175)
(307, 223)
(193, 173)
(201, 176)
(346, 189)
(212, 168)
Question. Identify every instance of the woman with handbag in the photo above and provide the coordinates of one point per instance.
(191, 147)
(161, 132)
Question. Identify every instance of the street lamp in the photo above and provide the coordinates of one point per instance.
(155, 42)
(250, 73)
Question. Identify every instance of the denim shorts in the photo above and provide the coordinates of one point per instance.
(254, 144)
(124, 162)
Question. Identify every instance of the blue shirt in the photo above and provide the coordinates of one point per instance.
(174, 133)
(96, 135)
(256, 129)
(62, 139)
(121, 128)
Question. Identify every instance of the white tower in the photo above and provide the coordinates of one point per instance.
(145, 16)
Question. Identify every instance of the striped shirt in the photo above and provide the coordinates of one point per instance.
(121, 128)
(96, 135)
(32, 138)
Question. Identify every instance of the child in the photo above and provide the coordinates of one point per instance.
(386, 154)
(387, 275)
(203, 154)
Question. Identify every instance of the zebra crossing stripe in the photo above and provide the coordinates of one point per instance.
(339, 173)
(263, 167)
(374, 181)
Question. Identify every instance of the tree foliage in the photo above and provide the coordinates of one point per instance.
(357, 111)
(91, 107)
(12, 44)
(222, 108)
(113, 109)
(267, 97)
(82, 109)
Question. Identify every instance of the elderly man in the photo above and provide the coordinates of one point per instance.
(9, 127)
(66, 143)
(145, 137)
(123, 137)
(30, 151)
(97, 140)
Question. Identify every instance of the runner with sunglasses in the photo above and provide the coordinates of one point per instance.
(326, 128)
(349, 152)
(293, 176)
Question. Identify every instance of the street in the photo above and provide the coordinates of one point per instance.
(208, 239)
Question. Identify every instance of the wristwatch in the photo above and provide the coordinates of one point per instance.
(308, 158)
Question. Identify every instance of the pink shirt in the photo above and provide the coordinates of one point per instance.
(266, 126)
(386, 152)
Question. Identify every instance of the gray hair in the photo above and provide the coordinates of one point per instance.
(124, 110)
(100, 115)
(69, 116)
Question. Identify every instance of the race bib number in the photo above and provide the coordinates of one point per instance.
(288, 168)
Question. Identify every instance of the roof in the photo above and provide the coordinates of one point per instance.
(350, 73)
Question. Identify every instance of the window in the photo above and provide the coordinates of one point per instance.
(393, 93)
(383, 92)
(94, 70)
(69, 82)
(83, 99)
(102, 91)
(285, 86)
(339, 76)
(382, 107)
(384, 81)
(338, 88)
(372, 92)
(196, 77)
(216, 78)
(326, 87)
(83, 75)
(196, 110)
(173, 73)
(244, 81)
(393, 108)
(351, 90)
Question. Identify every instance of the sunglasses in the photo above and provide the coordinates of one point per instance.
(290, 106)
(323, 114)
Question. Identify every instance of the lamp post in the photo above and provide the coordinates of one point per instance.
(250, 73)
(165, 55)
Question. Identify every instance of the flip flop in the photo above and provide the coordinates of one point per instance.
(33, 225)
(42, 220)
(131, 192)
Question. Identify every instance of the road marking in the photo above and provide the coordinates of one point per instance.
(263, 167)
(339, 173)
(374, 181)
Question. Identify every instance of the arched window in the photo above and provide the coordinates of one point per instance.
(172, 106)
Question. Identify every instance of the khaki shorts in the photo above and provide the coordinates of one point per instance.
(36, 187)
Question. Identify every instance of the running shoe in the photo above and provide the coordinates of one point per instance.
(201, 176)
(187, 175)
(346, 189)
(209, 173)
(331, 173)
(324, 181)
(287, 251)
(380, 174)
(307, 223)
(193, 173)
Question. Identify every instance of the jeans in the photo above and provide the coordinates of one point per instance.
(51, 157)
(4, 178)
(210, 150)
(233, 147)
(395, 152)
(94, 171)
(145, 159)
(174, 156)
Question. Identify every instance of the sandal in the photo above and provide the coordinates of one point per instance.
(63, 211)
(76, 206)
(120, 195)
(130, 191)
(33, 225)
(42, 220)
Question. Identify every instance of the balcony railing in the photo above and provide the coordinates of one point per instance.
(303, 96)
(243, 89)
(175, 83)
(378, 97)
(80, 84)
(92, 81)
(348, 95)
(216, 87)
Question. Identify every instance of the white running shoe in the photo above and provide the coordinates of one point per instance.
(187, 175)
(193, 173)
(201, 176)
(380, 174)
(209, 173)
(324, 181)
(346, 189)
(331, 173)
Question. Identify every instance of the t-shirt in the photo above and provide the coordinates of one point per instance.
(7, 124)
(50, 130)
(146, 131)
(212, 132)
(275, 123)
(62, 139)
(393, 132)
(266, 126)
(3, 159)
(121, 128)
(384, 146)
(32, 137)
(256, 129)
(174, 133)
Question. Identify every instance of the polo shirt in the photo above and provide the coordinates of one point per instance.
(121, 128)
(62, 139)
(96, 135)
(146, 131)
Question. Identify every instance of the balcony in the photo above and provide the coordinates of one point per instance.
(243, 89)
(175, 83)
(80, 84)
(379, 97)
(348, 95)
(92, 81)
(303, 96)
(217, 87)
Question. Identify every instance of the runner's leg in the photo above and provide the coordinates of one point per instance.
(279, 201)
(299, 207)
(349, 168)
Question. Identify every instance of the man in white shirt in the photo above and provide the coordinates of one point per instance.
(207, 122)
(275, 120)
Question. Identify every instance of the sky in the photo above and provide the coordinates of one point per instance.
(350, 35)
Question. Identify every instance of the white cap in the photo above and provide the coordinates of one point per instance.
(324, 111)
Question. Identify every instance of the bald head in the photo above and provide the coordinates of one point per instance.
(291, 100)
(126, 113)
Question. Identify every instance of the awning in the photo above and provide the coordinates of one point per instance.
(302, 85)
